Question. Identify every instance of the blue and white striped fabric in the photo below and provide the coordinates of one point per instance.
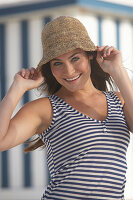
(86, 157)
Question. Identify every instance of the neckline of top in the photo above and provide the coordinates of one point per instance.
(84, 115)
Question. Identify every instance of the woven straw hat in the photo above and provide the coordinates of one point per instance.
(62, 35)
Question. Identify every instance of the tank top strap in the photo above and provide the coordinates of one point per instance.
(115, 101)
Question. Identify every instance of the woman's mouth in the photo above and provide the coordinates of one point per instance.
(73, 79)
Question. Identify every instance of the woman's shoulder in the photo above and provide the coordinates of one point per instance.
(42, 109)
(39, 103)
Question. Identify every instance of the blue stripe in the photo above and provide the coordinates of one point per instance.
(25, 52)
(4, 155)
(118, 34)
(17, 9)
(90, 185)
(25, 63)
(100, 31)
(5, 172)
(92, 181)
(86, 189)
(62, 192)
(108, 7)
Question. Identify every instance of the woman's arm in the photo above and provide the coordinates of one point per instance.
(110, 61)
(125, 86)
(29, 120)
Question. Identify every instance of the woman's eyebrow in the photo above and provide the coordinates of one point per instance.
(74, 54)
(57, 59)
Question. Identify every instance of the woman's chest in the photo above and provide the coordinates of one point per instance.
(96, 109)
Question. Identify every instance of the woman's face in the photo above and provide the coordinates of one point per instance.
(72, 69)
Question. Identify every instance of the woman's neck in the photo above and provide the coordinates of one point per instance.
(82, 93)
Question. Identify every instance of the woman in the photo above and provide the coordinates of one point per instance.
(84, 126)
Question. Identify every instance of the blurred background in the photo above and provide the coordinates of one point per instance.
(109, 22)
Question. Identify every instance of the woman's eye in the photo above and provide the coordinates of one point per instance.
(57, 63)
(75, 58)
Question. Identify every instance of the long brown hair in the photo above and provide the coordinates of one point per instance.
(100, 79)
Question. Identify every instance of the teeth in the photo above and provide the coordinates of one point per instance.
(72, 79)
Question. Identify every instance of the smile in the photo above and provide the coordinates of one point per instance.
(72, 79)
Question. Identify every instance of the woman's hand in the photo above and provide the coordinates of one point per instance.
(109, 58)
(28, 79)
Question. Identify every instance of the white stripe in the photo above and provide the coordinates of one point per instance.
(12, 67)
(126, 43)
(108, 32)
(38, 157)
(91, 24)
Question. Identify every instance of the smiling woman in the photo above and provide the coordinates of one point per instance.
(98, 76)
(73, 68)
(83, 123)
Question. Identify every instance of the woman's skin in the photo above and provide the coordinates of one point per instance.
(80, 93)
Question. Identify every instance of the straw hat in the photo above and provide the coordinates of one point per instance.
(62, 35)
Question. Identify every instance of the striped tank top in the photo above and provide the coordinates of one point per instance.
(86, 157)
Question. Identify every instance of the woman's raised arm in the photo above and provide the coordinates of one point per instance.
(30, 119)
(110, 61)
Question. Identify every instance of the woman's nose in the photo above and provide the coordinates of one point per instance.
(69, 69)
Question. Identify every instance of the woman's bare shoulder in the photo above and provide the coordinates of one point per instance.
(42, 106)
(40, 101)
(42, 109)
(39, 104)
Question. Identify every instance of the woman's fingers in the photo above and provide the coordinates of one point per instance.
(32, 72)
(27, 73)
(29, 78)
(105, 50)
(108, 57)
(22, 72)
(108, 51)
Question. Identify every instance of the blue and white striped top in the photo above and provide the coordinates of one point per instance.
(86, 157)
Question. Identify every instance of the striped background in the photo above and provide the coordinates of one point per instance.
(24, 176)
